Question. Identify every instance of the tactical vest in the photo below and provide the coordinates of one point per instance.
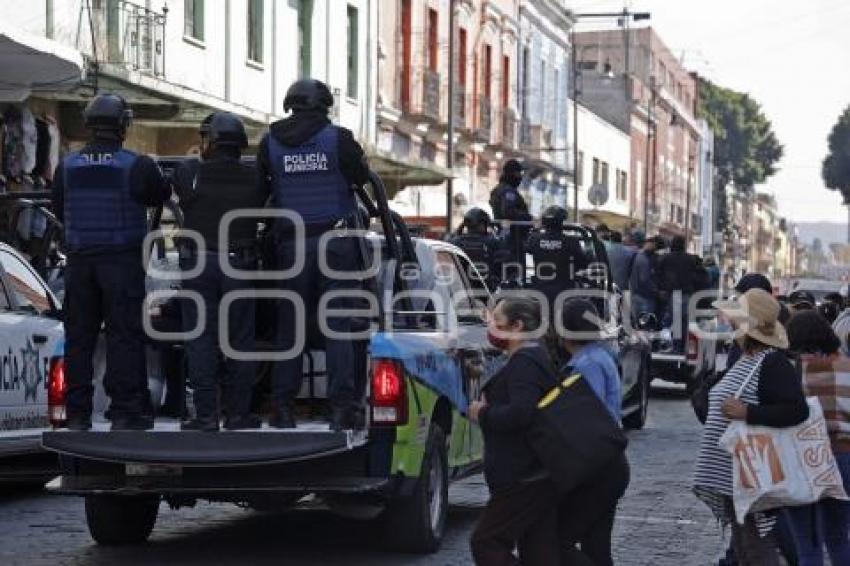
(477, 247)
(556, 250)
(99, 209)
(307, 179)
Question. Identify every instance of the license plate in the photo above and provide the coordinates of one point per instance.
(152, 470)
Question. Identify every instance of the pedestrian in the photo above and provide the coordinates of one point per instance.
(208, 191)
(643, 285)
(604, 234)
(831, 306)
(100, 194)
(311, 167)
(510, 208)
(521, 511)
(589, 355)
(801, 300)
(826, 375)
(677, 281)
(621, 258)
(772, 395)
(713, 272)
(474, 238)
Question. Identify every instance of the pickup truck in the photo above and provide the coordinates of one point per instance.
(689, 366)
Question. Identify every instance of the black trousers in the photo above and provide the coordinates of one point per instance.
(523, 516)
(204, 354)
(105, 289)
(586, 515)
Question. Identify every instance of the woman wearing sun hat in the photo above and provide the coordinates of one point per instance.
(773, 396)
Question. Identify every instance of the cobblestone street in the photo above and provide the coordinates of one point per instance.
(660, 522)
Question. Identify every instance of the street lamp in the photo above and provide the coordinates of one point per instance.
(624, 18)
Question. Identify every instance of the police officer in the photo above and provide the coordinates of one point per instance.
(557, 256)
(310, 167)
(100, 193)
(220, 184)
(474, 238)
(508, 204)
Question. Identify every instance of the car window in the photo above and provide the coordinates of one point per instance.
(475, 284)
(452, 283)
(30, 294)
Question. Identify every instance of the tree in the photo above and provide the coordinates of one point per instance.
(836, 165)
(746, 150)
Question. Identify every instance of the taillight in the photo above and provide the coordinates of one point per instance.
(56, 389)
(693, 347)
(388, 398)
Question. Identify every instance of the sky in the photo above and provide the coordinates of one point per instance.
(793, 57)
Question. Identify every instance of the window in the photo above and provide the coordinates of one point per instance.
(305, 36)
(433, 47)
(488, 71)
(353, 52)
(506, 81)
(596, 171)
(450, 284)
(29, 293)
(580, 166)
(622, 185)
(526, 56)
(255, 30)
(193, 24)
(672, 213)
(406, 52)
(461, 57)
(604, 175)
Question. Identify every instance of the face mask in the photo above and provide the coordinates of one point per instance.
(496, 341)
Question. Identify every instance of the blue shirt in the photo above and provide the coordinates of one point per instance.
(596, 364)
(621, 259)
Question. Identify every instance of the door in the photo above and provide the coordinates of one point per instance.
(29, 337)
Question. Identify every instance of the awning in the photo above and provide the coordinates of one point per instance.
(398, 174)
(32, 63)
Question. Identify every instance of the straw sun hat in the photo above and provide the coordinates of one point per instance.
(756, 314)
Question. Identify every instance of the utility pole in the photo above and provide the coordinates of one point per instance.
(649, 135)
(575, 125)
(450, 143)
(688, 203)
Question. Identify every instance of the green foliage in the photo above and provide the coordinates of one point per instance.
(746, 149)
(836, 166)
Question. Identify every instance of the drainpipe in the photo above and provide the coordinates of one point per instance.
(273, 61)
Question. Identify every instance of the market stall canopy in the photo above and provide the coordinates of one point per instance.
(31, 63)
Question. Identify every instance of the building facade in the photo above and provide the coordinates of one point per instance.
(634, 81)
(176, 61)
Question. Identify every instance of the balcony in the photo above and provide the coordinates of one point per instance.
(509, 127)
(459, 104)
(485, 120)
(136, 38)
(431, 94)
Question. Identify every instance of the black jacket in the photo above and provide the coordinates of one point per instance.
(512, 397)
(300, 127)
(678, 271)
(507, 203)
(782, 402)
(210, 189)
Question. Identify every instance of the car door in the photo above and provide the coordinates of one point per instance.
(30, 335)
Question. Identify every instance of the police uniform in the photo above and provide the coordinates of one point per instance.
(479, 244)
(507, 204)
(100, 193)
(310, 166)
(208, 190)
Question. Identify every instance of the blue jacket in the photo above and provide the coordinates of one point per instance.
(595, 362)
(621, 257)
(642, 281)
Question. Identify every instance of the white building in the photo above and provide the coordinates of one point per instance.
(177, 60)
(706, 191)
(604, 158)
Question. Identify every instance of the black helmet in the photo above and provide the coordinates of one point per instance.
(553, 218)
(476, 217)
(204, 129)
(227, 129)
(107, 112)
(308, 94)
(512, 166)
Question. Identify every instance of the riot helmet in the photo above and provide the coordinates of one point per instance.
(109, 112)
(553, 218)
(227, 129)
(308, 94)
(476, 219)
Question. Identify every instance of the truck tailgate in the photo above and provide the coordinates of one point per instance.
(166, 444)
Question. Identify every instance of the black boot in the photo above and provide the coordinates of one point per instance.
(284, 417)
(132, 422)
(347, 417)
(245, 422)
(79, 423)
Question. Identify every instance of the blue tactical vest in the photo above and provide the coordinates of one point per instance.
(306, 178)
(99, 210)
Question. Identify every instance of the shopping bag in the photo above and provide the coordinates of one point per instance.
(782, 467)
(573, 434)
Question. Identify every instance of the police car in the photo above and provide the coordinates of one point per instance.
(31, 346)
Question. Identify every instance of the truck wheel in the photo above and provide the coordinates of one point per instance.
(417, 523)
(637, 419)
(115, 520)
